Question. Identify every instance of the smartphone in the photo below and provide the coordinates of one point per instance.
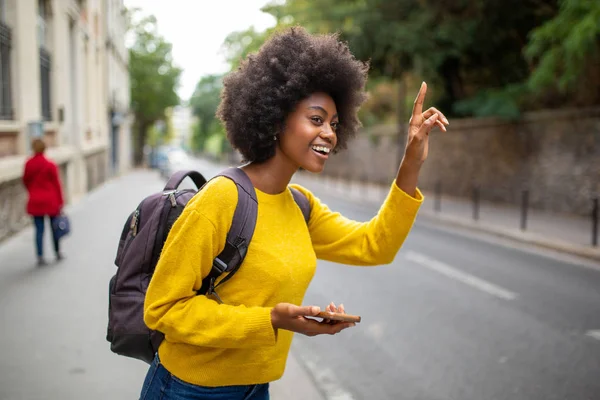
(338, 316)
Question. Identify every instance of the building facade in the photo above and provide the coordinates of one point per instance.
(61, 77)
(117, 76)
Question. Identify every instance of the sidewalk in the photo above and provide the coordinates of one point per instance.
(54, 318)
(565, 233)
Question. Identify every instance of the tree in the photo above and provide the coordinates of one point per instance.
(204, 103)
(154, 78)
(566, 52)
(239, 44)
(162, 131)
(467, 49)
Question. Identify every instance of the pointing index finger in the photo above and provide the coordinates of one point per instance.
(418, 107)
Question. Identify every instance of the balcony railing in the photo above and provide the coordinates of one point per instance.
(6, 106)
(45, 64)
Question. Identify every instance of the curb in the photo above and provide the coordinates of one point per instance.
(587, 252)
(521, 237)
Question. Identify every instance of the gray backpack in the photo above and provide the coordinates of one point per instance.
(141, 243)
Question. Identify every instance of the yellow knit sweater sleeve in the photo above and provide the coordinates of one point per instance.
(375, 242)
(172, 305)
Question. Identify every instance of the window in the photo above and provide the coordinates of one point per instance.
(42, 24)
(45, 59)
(45, 63)
(6, 110)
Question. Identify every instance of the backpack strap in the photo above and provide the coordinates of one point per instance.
(239, 235)
(242, 229)
(302, 202)
(178, 177)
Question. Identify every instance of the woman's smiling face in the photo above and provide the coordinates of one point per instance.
(309, 135)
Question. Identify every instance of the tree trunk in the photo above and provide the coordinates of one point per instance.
(453, 84)
(401, 122)
(140, 142)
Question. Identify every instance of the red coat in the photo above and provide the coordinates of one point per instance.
(43, 184)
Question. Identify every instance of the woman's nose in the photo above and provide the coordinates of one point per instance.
(328, 134)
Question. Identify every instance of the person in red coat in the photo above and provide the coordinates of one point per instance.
(43, 184)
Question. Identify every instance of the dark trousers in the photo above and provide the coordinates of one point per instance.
(39, 235)
(160, 384)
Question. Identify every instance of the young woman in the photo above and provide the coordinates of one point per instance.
(43, 185)
(289, 106)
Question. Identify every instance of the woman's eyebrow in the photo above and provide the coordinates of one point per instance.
(320, 109)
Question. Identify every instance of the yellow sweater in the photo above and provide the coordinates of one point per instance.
(234, 343)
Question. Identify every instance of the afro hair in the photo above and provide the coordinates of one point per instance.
(288, 68)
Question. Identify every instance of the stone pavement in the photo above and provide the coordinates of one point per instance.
(565, 233)
(54, 318)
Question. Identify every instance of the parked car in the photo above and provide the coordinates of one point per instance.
(175, 159)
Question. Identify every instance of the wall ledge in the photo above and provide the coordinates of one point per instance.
(11, 167)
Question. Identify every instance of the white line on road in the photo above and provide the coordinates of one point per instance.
(594, 334)
(324, 378)
(460, 276)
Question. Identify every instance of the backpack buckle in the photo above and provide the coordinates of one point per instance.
(219, 265)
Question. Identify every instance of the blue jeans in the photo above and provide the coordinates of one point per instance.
(39, 235)
(160, 384)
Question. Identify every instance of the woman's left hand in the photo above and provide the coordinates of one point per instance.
(419, 126)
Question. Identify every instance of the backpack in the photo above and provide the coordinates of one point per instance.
(141, 243)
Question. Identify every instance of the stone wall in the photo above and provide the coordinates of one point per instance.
(96, 165)
(555, 155)
(8, 143)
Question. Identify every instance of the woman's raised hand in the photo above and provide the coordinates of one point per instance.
(420, 124)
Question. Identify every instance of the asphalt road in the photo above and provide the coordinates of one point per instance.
(456, 316)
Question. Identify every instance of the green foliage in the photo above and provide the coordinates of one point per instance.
(204, 102)
(382, 104)
(503, 103)
(563, 47)
(238, 45)
(216, 145)
(481, 57)
(162, 131)
(153, 77)
(470, 48)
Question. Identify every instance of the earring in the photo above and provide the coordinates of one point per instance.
(275, 137)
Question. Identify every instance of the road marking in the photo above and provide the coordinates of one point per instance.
(324, 378)
(460, 276)
(594, 334)
(572, 260)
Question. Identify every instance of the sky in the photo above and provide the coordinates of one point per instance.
(198, 28)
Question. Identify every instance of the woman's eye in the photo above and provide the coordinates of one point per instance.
(335, 126)
(318, 120)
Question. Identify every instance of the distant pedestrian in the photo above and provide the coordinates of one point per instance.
(43, 184)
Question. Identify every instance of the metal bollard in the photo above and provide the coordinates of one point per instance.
(595, 222)
(476, 203)
(438, 197)
(524, 208)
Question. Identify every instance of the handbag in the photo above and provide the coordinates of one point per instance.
(61, 225)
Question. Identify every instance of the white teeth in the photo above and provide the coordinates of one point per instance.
(321, 149)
